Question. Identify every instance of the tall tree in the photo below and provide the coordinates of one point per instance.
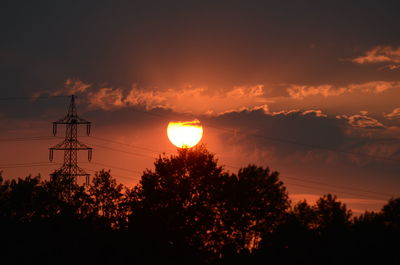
(331, 214)
(191, 201)
(107, 200)
(255, 206)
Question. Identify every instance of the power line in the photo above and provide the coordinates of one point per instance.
(28, 165)
(118, 176)
(122, 151)
(293, 178)
(125, 144)
(324, 184)
(114, 167)
(22, 139)
(342, 192)
(31, 98)
(287, 141)
(143, 155)
(152, 150)
(317, 185)
(337, 186)
(313, 146)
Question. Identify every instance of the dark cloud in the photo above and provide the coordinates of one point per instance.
(217, 44)
(310, 136)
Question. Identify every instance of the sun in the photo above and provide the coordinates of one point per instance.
(185, 134)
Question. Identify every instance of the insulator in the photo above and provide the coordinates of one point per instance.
(51, 155)
(88, 129)
(90, 155)
(54, 129)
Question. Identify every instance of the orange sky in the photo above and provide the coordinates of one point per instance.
(311, 90)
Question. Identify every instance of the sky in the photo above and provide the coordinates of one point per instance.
(308, 88)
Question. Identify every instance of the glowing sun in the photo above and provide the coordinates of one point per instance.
(185, 134)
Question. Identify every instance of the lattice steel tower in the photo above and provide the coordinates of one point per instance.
(71, 145)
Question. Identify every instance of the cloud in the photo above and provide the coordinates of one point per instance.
(395, 114)
(280, 135)
(306, 137)
(362, 120)
(379, 54)
(316, 113)
(106, 98)
(302, 91)
(391, 67)
(204, 100)
(189, 99)
(374, 86)
(72, 86)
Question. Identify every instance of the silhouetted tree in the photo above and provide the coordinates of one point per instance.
(179, 202)
(377, 233)
(62, 197)
(305, 215)
(188, 210)
(331, 214)
(190, 201)
(107, 200)
(391, 213)
(255, 205)
(18, 199)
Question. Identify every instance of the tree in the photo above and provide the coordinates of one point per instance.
(107, 200)
(18, 198)
(191, 201)
(331, 214)
(255, 206)
(391, 213)
(305, 215)
(178, 203)
(62, 197)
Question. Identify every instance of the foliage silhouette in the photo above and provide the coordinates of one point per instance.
(193, 202)
(108, 200)
(188, 210)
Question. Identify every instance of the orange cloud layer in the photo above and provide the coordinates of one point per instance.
(302, 91)
(361, 120)
(187, 99)
(380, 54)
(395, 114)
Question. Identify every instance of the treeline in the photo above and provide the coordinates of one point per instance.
(188, 210)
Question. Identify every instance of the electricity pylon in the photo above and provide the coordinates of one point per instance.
(71, 145)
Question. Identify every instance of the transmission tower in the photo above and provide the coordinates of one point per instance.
(71, 145)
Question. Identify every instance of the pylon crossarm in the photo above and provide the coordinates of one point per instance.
(71, 148)
(82, 146)
(60, 146)
(69, 119)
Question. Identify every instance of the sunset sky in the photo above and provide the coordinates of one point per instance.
(309, 88)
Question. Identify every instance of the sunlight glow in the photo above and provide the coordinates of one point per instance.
(185, 134)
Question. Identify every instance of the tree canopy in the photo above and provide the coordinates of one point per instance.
(187, 210)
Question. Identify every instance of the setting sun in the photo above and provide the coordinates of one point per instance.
(185, 134)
